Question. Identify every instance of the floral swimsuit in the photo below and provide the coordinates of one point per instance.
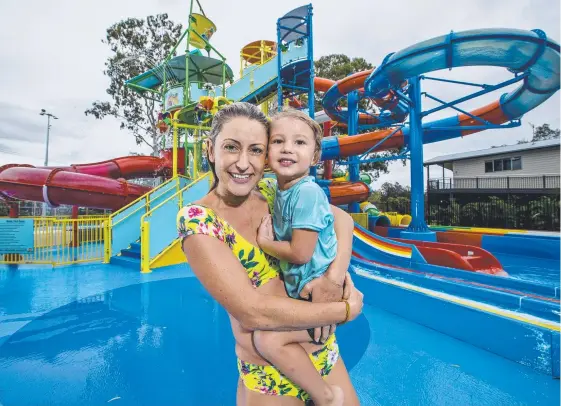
(261, 268)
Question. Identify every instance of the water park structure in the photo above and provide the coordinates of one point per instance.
(481, 287)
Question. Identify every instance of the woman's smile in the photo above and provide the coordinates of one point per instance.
(240, 178)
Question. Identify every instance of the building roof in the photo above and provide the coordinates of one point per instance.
(507, 149)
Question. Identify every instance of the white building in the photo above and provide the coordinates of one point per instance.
(520, 167)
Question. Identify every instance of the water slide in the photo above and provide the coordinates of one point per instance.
(98, 185)
(529, 54)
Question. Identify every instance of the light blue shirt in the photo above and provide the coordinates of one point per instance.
(305, 206)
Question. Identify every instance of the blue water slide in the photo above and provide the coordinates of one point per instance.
(521, 52)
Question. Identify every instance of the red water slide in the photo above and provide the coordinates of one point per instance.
(98, 185)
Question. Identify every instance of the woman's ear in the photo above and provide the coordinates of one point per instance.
(210, 150)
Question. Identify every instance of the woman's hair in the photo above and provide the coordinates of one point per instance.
(238, 109)
(310, 122)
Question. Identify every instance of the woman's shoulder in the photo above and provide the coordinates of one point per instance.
(195, 218)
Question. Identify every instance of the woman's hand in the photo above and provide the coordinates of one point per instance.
(355, 303)
(322, 290)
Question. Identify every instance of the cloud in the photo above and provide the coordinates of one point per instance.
(6, 149)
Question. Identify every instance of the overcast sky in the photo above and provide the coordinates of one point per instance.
(51, 57)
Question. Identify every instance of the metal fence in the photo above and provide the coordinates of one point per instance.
(37, 209)
(63, 241)
(497, 182)
(514, 211)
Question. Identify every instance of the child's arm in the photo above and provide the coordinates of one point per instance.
(344, 227)
(297, 251)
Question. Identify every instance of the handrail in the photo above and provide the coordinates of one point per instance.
(145, 195)
(149, 213)
(145, 226)
(111, 223)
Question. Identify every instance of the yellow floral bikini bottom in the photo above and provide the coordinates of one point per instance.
(268, 380)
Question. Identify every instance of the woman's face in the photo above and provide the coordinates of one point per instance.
(238, 154)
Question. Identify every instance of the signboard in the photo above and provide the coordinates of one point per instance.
(173, 98)
(16, 236)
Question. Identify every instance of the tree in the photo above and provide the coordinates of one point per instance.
(541, 133)
(338, 66)
(388, 190)
(137, 45)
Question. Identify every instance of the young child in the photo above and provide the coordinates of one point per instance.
(305, 243)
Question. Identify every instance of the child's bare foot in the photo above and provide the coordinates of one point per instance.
(336, 398)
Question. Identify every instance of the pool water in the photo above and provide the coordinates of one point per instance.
(540, 270)
(96, 335)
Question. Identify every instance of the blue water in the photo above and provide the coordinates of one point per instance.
(531, 269)
(93, 334)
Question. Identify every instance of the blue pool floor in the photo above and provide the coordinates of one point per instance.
(95, 334)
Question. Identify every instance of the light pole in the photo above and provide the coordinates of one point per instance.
(49, 115)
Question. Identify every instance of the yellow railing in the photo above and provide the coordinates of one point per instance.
(146, 196)
(63, 241)
(145, 225)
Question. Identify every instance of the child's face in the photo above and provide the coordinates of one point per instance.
(291, 149)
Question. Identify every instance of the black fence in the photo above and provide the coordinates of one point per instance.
(513, 211)
(540, 182)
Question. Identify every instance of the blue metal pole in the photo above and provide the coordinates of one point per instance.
(279, 65)
(311, 96)
(418, 227)
(354, 175)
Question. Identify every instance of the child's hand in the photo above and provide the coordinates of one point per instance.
(265, 230)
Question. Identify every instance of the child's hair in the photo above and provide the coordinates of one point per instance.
(310, 122)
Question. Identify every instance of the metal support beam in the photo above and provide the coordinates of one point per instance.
(354, 175)
(476, 94)
(417, 224)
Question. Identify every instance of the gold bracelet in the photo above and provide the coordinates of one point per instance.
(347, 311)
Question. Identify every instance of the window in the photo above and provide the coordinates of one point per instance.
(504, 164)
(507, 164)
(498, 165)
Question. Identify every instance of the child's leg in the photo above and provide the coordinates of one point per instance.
(283, 350)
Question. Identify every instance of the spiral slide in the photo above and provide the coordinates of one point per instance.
(97, 185)
(530, 54)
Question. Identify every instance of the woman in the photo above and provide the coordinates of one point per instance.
(219, 238)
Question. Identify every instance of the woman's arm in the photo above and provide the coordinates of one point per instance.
(226, 280)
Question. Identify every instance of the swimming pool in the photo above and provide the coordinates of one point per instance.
(95, 334)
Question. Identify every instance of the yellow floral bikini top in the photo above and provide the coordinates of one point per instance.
(197, 219)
